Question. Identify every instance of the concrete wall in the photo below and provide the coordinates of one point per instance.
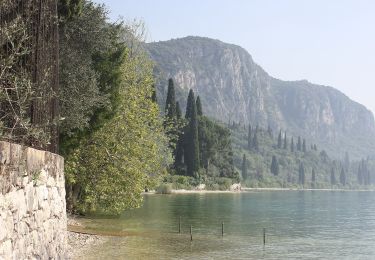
(32, 204)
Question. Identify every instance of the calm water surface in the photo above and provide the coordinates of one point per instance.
(299, 225)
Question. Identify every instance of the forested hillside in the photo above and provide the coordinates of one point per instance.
(268, 158)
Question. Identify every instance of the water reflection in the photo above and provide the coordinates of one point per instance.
(300, 224)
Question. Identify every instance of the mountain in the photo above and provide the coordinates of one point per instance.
(234, 88)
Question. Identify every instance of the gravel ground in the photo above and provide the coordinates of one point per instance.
(81, 243)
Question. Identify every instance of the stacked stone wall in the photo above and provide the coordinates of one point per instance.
(32, 204)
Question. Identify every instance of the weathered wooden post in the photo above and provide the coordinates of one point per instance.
(222, 229)
(264, 236)
(179, 225)
(191, 233)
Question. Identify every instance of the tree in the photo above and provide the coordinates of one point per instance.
(128, 153)
(279, 140)
(292, 145)
(333, 176)
(274, 166)
(360, 175)
(178, 110)
(342, 177)
(269, 131)
(244, 167)
(255, 143)
(299, 144)
(179, 151)
(301, 174)
(313, 175)
(170, 103)
(92, 52)
(191, 138)
(68, 9)
(199, 107)
(249, 138)
(189, 104)
(347, 162)
(215, 149)
(304, 146)
(285, 142)
(18, 89)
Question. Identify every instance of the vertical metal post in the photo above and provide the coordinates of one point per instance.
(264, 236)
(179, 225)
(191, 233)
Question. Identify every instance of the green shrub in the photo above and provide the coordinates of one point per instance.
(165, 188)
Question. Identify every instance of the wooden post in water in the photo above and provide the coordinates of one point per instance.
(264, 236)
(179, 225)
(222, 229)
(191, 233)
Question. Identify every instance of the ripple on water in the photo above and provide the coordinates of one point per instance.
(299, 225)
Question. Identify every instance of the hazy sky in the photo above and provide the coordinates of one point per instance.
(329, 42)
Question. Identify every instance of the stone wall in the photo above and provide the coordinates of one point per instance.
(32, 204)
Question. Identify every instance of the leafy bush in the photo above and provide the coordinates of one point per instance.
(219, 183)
(165, 188)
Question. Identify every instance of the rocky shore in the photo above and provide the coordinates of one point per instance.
(80, 243)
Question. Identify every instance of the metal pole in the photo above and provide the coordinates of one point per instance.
(222, 229)
(179, 225)
(191, 233)
(264, 236)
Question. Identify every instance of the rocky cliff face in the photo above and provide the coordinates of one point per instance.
(233, 87)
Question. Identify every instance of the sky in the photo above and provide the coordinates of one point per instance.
(330, 43)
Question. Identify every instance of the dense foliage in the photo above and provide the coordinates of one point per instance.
(112, 135)
(203, 149)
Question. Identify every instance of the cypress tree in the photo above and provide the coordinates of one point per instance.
(191, 140)
(299, 144)
(279, 141)
(313, 176)
(189, 104)
(274, 166)
(244, 167)
(199, 107)
(249, 138)
(360, 175)
(342, 177)
(178, 110)
(304, 146)
(179, 151)
(365, 173)
(269, 131)
(170, 103)
(255, 143)
(333, 176)
(292, 145)
(347, 161)
(301, 175)
(285, 141)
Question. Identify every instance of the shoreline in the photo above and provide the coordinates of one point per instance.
(244, 190)
(80, 243)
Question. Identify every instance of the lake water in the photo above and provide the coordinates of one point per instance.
(299, 225)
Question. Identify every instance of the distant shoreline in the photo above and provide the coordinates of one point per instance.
(243, 190)
(298, 189)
